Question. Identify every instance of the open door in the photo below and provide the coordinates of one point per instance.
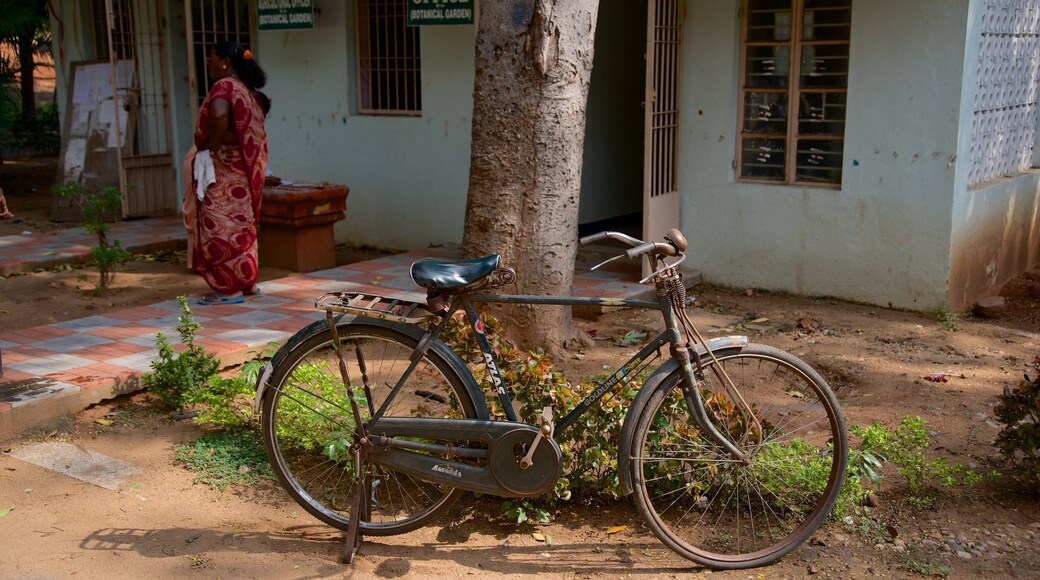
(138, 35)
(661, 110)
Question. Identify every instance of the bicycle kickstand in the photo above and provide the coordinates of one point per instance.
(359, 509)
(360, 505)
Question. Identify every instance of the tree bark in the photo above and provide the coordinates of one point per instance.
(533, 64)
(27, 71)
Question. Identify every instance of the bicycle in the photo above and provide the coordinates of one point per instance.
(734, 452)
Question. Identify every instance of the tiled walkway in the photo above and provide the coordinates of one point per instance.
(31, 250)
(62, 368)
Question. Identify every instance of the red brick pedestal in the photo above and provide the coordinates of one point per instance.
(296, 226)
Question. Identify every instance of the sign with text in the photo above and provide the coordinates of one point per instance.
(284, 14)
(432, 12)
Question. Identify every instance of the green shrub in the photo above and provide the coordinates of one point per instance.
(97, 209)
(228, 402)
(590, 462)
(37, 132)
(178, 378)
(1019, 438)
(904, 448)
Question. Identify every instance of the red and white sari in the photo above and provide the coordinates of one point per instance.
(222, 227)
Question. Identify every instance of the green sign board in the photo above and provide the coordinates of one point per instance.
(432, 12)
(284, 14)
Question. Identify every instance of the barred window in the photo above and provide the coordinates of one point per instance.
(388, 59)
(795, 61)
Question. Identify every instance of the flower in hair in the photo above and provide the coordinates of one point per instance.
(247, 54)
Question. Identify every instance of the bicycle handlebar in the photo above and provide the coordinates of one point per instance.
(673, 246)
(612, 235)
(675, 243)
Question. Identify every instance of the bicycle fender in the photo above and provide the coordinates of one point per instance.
(662, 372)
(415, 332)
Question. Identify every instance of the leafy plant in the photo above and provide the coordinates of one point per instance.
(178, 378)
(225, 458)
(948, 319)
(926, 568)
(1019, 438)
(522, 511)
(228, 402)
(590, 463)
(904, 448)
(97, 209)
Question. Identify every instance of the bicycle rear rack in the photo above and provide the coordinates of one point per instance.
(374, 306)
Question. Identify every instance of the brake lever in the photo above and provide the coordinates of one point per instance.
(607, 261)
(666, 266)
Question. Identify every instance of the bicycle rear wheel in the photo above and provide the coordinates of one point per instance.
(724, 514)
(309, 428)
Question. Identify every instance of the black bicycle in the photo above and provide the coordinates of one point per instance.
(734, 452)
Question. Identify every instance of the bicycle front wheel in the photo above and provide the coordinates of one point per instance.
(716, 510)
(309, 428)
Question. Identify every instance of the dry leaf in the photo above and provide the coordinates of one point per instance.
(616, 529)
(104, 422)
(538, 537)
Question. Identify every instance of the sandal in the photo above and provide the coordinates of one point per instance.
(254, 291)
(211, 299)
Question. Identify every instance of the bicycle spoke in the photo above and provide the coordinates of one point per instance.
(727, 513)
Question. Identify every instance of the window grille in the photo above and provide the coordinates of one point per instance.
(388, 59)
(1004, 127)
(663, 174)
(794, 87)
(211, 22)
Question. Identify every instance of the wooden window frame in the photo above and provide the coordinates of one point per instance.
(794, 92)
(398, 90)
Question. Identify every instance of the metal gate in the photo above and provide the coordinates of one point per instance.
(135, 33)
(661, 133)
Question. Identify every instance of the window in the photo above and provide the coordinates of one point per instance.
(388, 59)
(795, 57)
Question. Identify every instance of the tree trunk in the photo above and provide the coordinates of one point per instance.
(27, 70)
(533, 64)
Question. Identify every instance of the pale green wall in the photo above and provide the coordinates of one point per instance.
(408, 176)
(884, 237)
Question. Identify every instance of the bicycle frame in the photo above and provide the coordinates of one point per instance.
(669, 336)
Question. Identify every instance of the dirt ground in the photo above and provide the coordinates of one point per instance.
(876, 360)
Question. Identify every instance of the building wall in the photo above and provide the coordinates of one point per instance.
(884, 236)
(996, 226)
(408, 176)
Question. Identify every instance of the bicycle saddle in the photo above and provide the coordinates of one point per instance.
(445, 274)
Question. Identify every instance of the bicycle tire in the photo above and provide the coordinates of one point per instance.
(308, 425)
(715, 511)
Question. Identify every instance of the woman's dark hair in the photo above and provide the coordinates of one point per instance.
(264, 100)
(247, 69)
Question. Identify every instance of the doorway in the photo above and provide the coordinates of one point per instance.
(630, 174)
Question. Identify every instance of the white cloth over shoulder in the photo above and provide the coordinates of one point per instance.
(204, 173)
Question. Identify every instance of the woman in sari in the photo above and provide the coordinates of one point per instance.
(224, 175)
